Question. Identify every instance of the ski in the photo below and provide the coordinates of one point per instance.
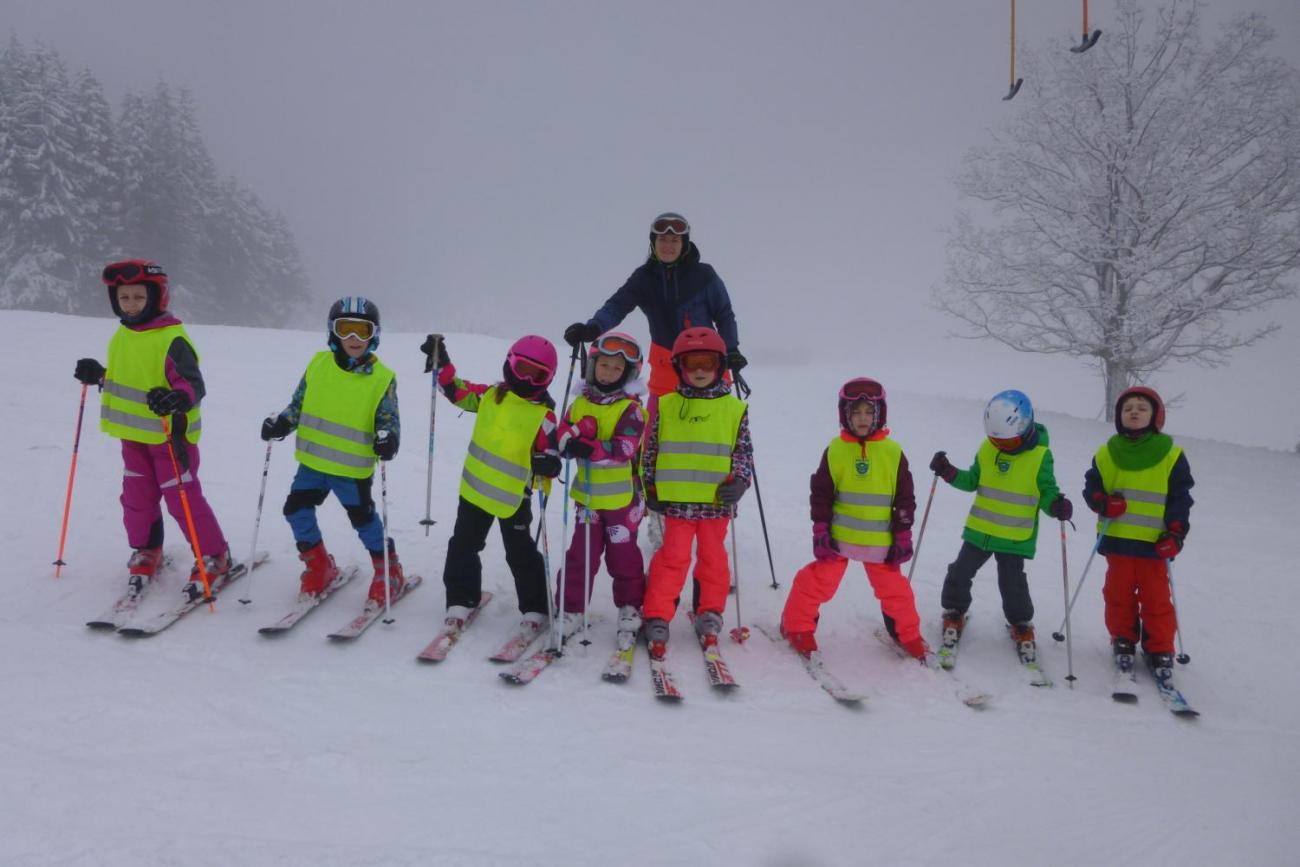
(307, 602)
(1171, 696)
(715, 666)
(966, 694)
(815, 665)
(1029, 661)
(661, 679)
(122, 610)
(523, 637)
(619, 667)
(1124, 687)
(526, 669)
(158, 622)
(442, 643)
(372, 612)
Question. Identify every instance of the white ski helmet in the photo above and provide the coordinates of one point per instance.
(1008, 415)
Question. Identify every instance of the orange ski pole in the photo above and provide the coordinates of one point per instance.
(189, 519)
(72, 474)
(1015, 82)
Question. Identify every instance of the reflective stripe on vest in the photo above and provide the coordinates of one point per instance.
(498, 464)
(1146, 492)
(1006, 503)
(696, 439)
(336, 428)
(865, 483)
(137, 362)
(610, 486)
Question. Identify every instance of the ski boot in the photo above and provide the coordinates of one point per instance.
(1124, 654)
(707, 626)
(396, 578)
(803, 643)
(217, 568)
(141, 569)
(953, 623)
(1023, 635)
(320, 571)
(1162, 668)
(656, 637)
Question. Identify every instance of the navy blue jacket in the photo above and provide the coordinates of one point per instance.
(686, 294)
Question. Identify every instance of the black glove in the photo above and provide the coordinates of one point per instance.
(89, 371)
(432, 359)
(546, 466)
(730, 492)
(275, 427)
(581, 332)
(652, 501)
(1061, 509)
(165, 401)
(578, 448)
(735, 361)
(940, 466)
(386, 444)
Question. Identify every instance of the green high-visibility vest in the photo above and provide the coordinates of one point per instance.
(864, 490)
(336, 429)
(696, 439)
(1146, 492)
(137, 362)
(499, 462)
(1006, 504)
(610, 487)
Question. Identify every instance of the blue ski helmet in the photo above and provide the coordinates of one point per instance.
(353, 307)
(1009, 415)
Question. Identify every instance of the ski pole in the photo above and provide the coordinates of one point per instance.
(1015, 82)
(561, 583)
(189, 518)
(920, 537)
(1101, 534)
(741, 633)
(72, 474)
(586, 574)
(385, 540)
(564, 412)
(546, 554)
(1065, 594)
(743, 389)
(1183, 658)
(1087, 41)
(257, 523)
(433, 413)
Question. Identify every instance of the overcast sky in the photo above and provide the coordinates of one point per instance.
(493, 166)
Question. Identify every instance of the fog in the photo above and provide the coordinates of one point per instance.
(494, 166)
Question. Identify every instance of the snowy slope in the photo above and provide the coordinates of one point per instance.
(211, 745)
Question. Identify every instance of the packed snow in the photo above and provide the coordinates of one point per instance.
(209, 744)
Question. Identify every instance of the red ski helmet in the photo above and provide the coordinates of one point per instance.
(144, 271)
(699, 339)
(1157, 407)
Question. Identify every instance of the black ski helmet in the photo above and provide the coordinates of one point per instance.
(353, 307)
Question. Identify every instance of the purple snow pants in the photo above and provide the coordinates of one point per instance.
(147, 474)
(613, 531)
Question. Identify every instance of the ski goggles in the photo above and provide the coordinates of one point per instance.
(529, 370)
(673, 225)
(362, 329)
(1007, 444)
(125, 273)
(709, 361)
(862, 389)
(617, 344)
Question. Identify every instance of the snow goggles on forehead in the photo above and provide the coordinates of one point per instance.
(529, 370)
(124, 273)
(699, 361)
(343, 328)
(667, 225)
(862, 389)
(614, 344)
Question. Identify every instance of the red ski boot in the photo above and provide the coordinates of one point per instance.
(320, 571)
(142, 567)
(396, 579)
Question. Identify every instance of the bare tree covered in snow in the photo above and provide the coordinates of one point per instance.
(1145, 192)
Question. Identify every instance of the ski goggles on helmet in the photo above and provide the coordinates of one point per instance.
(617, 344)
(862, 389)
(345, 327)
(125, 273)
(673, 225)
(703, 360)
(529, 370)
(1007, 444)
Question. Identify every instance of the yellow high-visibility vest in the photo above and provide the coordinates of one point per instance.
(499, 463)
(137, 362)
(610, 486)
(336, 429)
(696, 439)
(1006, 504)
(1146, 492)
(864, 490)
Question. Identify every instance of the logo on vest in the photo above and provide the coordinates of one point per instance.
(862, 465)
(1004, 467)
(696, 419)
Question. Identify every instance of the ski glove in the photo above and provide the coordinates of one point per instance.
(546, 466)
(823, 544)
(901, 550)
(1171, 541)
(1061, 509)
(581, 332)
(941, 467)
(89, 371)
(275, 427)
(578, 448)
(735, 361)
(165, 401)
(1109, 505)
(386, 442)
(435, 356)
(730, 492)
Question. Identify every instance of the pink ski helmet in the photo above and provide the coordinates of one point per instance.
(532, 360)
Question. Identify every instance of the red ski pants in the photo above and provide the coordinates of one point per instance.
(1139, 587)
(670, 563)
(817, 582)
